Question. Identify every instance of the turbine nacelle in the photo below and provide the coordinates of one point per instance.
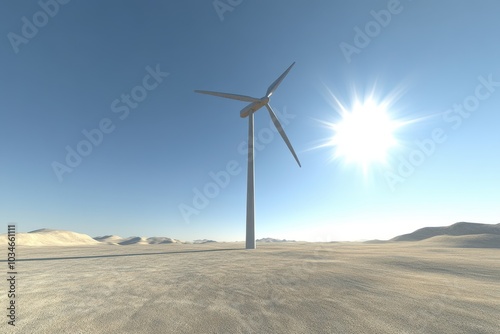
(255, 104)
(249, 109)
(253, 107)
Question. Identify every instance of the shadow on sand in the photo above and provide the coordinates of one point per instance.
(132, 254)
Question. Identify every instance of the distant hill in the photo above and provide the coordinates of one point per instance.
(109, 239)
(162, 240)
(134, 241)
(374, 241)
(48, 237)
(457, 229)
(203, 241)
(465, 241)
(116, 240)
(273, 240)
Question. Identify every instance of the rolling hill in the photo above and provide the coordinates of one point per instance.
(457, 229)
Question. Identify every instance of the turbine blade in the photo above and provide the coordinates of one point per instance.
(282, 132)
(276, 83)
(229, 96)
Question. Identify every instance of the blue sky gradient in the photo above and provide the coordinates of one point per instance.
(73, 73)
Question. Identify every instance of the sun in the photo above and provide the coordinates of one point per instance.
(367, 131)
(365, 134)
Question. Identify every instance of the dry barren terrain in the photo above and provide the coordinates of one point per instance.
(277, 288)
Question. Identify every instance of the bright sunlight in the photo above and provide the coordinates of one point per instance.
(364, 134)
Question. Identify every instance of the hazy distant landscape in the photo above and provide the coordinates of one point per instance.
(459, 234)
(441, 284)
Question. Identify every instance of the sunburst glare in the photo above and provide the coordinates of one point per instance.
(364, 134)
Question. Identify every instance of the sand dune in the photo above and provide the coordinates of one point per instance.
(47, 237)
(147, 241)
(116, 240)
(203, 241)
(162, 240)
(109, 239)
(455, 229)
(466, 241)
(134, 241)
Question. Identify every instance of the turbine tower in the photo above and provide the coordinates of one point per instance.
(249, 110)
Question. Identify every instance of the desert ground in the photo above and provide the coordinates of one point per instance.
(297, 287)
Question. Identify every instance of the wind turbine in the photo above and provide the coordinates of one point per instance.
(249, 110)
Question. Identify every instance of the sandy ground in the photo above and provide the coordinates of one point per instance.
(277, 288)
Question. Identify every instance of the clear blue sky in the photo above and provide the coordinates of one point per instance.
(68, 75)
